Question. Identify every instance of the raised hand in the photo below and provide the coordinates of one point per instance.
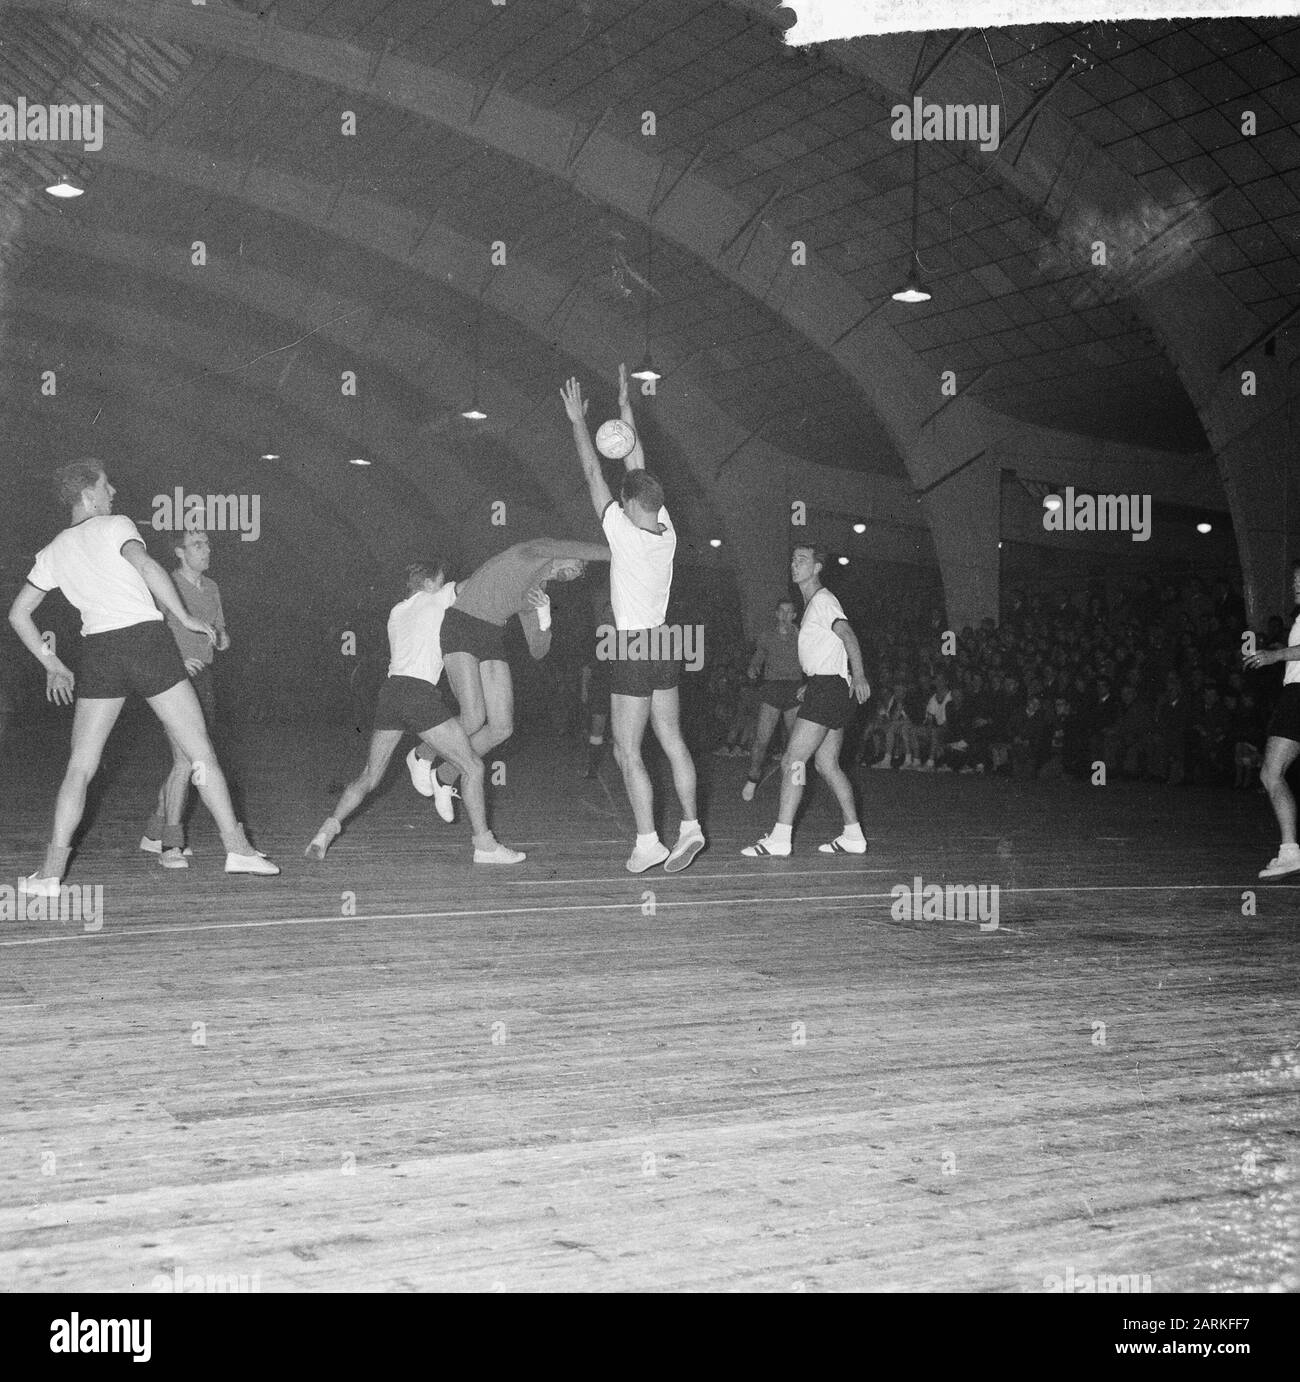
(575, 406)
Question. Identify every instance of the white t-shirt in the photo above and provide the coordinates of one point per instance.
(640, 568)
(821, 652)
(939, 708)
(1292, 673)
(86, 563)
(415, 634)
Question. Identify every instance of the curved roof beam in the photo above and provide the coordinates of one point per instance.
(420, 359)
(316, 397)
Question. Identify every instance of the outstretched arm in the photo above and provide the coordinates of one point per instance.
(164, 592)
(575, 407)
(635, 459)
(561, 547)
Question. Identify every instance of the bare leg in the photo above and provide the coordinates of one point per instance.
(1279, 754)
(804, 742)
(665, 716)
(92, 723)
(178, 709)
(828, 765)
(383, 743)
(450, 742)
(768, 715)
(629, 716)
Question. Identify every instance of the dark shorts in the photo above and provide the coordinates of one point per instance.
(781, 695)
(462, 633)
(409, 703)
(827, 701)
(141, 657)
(598, 685)
(1285, 722)
(641, 677)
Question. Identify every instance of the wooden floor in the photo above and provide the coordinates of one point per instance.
(521, 1080)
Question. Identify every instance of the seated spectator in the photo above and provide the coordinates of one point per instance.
(1172, 728)
(894, 722)
(1031, 738)
(1247, 734)
(1008, 712)
(1133, 744)
(931, 733)
(1210, 747)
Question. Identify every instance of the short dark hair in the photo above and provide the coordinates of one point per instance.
(818, 553)
(640, 487)
(429, 569)
(71, 479)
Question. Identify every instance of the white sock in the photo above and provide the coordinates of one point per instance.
(853, 832)
(690, 828)
(779, 834)
(647, 842)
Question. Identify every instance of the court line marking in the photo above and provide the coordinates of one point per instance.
(766, 898)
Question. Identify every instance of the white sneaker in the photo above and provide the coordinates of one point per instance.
(909, 766)
(151, 846)
(250, 863)
(927, 766)
(443, 796)
(502, 854)
(39, 887)
(1287, 861)
(766, 848)
(173, 858)
(648, 858)
(421, 771)
(884, 763)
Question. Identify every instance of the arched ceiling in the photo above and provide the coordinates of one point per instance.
(225, 128)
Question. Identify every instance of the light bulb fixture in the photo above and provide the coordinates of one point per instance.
(1052, 502)
(844, 561)
(646, 369)
(859, 528)
(713, 541)
(1204, 528)
(358, 460)
(914, 292)
(65, 188)
(474, 413)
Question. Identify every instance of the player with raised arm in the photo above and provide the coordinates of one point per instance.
(643, 690)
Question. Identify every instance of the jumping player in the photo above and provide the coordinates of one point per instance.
(409, 703)
(163, 834)
(474, 646)
(642, 542)
(832, 661)
(101, 566)
(777, 658)
(1283, 746)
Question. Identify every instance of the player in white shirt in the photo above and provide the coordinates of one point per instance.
(410, 703)
(643, 689)
(101, 566)
(832, 662)
(1283, 746)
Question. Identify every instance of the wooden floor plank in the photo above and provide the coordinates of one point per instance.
(525, 1081)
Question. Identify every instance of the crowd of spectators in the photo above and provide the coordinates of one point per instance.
(1150, 685)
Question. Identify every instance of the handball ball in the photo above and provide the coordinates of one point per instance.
(615, 439)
